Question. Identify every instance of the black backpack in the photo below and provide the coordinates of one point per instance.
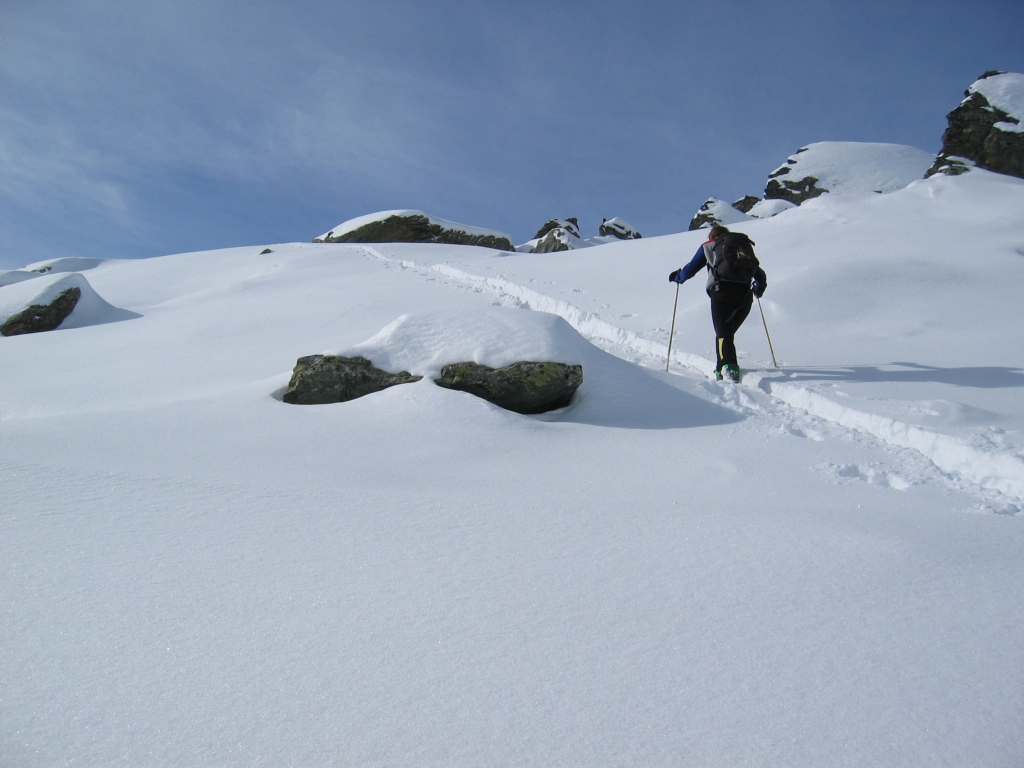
(735, 261)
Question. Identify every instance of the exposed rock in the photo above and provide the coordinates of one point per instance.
(795, 191)
(981, 132)
(619, 228)
(555, 240)
(321, 379)
(570, 224)
(523, 387)
(746, 203)
(265, 250)
(415, 228)
(42, 317)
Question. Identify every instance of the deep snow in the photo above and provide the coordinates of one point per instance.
(805, 569)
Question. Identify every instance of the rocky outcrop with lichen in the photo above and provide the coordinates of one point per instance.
(37, 318)
(524, 387)
(320, 379)
(982, 133)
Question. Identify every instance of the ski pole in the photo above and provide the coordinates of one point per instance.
(671, 333)
(765, 322)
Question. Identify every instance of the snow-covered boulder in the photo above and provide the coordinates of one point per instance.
(845, 168)
(619, 228)
(527, 362)
(986, 129)
(715, 211)
(408, 226)
(54, 301)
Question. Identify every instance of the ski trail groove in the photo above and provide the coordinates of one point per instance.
(998, 472)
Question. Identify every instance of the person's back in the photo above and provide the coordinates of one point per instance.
(734, 278)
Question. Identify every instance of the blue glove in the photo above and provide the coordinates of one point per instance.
(674, 277)
(757, 288)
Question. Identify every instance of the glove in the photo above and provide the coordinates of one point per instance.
(674, 277)
(758, 289)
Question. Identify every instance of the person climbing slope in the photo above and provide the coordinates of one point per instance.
(735, 277)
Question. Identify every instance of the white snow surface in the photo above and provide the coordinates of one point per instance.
(857, 168)
(361, 221)
(765, 209)
(423, 343)
(1004, 92)
(819, 566)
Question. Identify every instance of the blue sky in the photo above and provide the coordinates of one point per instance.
(145, 128)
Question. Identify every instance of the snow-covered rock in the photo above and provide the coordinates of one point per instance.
(846, 168)
(987, 128)
(619, 228)
(715, 211)
(570, 225)
(70, 299)
(558, 239)
(410, 226)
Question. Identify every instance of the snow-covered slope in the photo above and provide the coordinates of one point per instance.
(805, 569)
(849, 168)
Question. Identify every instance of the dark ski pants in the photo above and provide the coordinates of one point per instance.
(728, 311)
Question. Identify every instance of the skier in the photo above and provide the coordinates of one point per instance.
(734, 278)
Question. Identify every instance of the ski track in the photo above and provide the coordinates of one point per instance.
(998, 478)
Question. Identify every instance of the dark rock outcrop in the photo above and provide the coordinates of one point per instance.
(414, 229)
(746, 203)
(972, 134)
(555, 240)
(319, 379)
(570, 224)
(42, 317)
(795, 190)
(523, 387)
